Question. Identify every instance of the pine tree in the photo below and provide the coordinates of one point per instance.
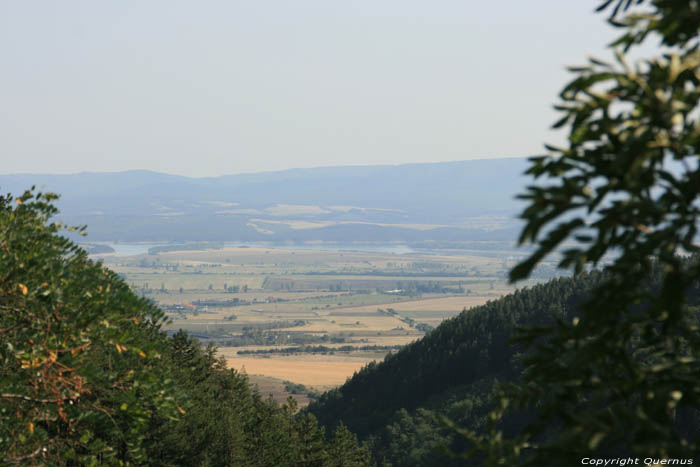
(345, 450)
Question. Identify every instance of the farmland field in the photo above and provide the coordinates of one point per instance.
(310, 317)
(322, 372)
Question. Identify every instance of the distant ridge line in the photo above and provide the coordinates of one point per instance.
(272, 171)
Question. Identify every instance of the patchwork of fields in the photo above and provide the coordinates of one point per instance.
(310, 317)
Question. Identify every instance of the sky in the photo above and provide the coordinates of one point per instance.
(207, 88)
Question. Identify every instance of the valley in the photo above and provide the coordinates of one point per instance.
(308, 316)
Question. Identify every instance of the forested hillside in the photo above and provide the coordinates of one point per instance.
(396, 404)
(87, 376)
(400, 406)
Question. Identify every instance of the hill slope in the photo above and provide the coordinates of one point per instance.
(395, 404)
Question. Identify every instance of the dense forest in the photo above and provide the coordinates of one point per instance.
(87, 376)
(452, 372)
(407, 406)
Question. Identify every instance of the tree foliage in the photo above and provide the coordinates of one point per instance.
(87, 376)
(79, 376)
(624, 194)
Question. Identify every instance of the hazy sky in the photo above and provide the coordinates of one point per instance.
(218, 87)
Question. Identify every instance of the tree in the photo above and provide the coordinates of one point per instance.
(311, 445)
(345, 451)
(80, 372)
(620, 377)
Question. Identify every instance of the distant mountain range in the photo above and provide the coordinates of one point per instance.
(441, 203)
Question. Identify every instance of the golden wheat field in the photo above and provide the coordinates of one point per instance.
(309, 370)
